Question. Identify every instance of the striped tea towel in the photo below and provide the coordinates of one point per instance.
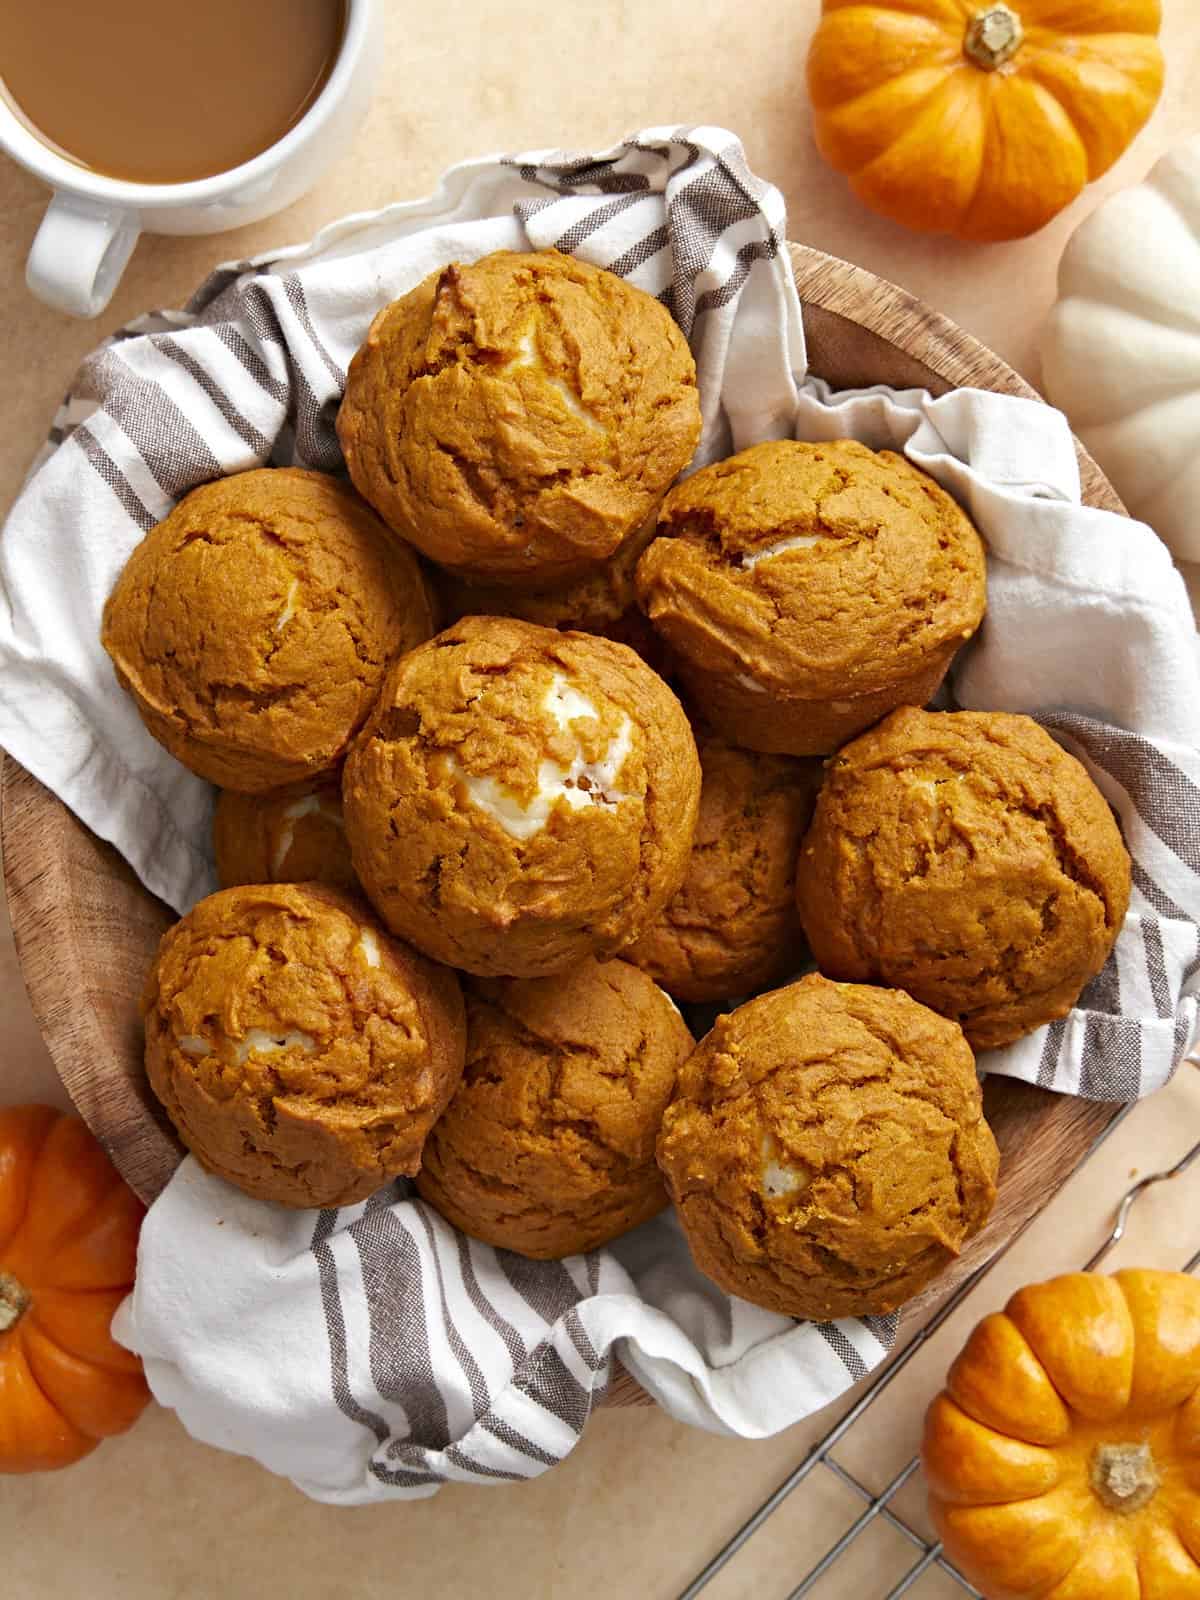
(372, 1351)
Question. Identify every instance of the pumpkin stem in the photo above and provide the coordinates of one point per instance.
(1123, 1476)
(14, 1301)
(994, 35)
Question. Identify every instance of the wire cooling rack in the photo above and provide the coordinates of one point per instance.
(879, 1505)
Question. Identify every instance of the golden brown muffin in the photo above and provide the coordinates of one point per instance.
(807, 589)
(521, 798)
(601, 601)
(253, 625)
(295, 835)
(548, 1145)
(827, 1151)
(966, 857)
(301, 1053)
(520, 417)
(733, 927)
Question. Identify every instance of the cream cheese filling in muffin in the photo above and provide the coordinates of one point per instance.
(309, 805)
(584, 782)
(291, 835)
(521, 798)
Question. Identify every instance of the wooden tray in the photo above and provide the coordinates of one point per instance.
(86, 930)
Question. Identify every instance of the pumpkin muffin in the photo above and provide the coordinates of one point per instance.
(826, 1150)
(520, 417)
(521, 798)
(966, 857)
(301, 1053)
(733, 926)
(547, 1147)
(295, 835)
(253, 625)
(808, 589)
(602, 601)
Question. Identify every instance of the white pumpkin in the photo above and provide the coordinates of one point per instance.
(1121, 351)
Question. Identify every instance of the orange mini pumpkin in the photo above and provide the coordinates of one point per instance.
(68, 1245)
(1063, 1457)
(981, 120)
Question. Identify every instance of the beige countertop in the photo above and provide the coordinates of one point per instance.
(643, 1502)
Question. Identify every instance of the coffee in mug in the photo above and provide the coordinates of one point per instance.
(165, 91)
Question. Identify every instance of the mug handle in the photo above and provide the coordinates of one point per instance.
(79, 254)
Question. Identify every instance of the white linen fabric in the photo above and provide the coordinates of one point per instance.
(374, 1352)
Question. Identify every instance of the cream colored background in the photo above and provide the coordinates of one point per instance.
(643, 1502)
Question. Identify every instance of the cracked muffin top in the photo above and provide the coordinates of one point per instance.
(253, 625)
(733, 927)
(301, 1052)
(521, 798)
(519, 417)
(807, 589)
(547, 1147)
(966, 857)
(827, 1151)
(293, 835)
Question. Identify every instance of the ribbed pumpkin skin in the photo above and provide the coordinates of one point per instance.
(1120, 352)
(932, 139)
(1063, 1456)
(68, 1247)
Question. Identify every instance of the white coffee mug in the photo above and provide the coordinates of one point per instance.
(93, 222)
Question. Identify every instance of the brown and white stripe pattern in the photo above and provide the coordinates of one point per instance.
(1132, 1024)
(462, 1362)
(467, 1364)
